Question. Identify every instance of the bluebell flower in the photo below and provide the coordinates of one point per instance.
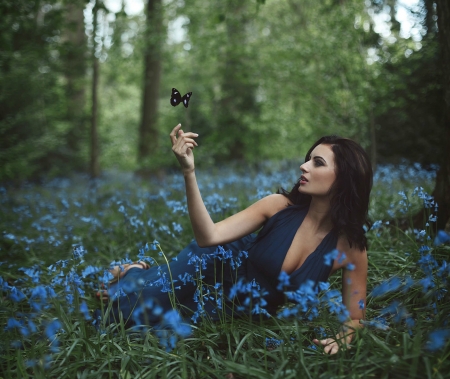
(361, 304)
(427, 282)
(16, 295)
(409, 282)
(163, 282)
(323, 286)
(148, 306)
(376, 225)
(85, 311)
(330, 257)
(350, 266)
(283, 281)
(441, 238)
(377, 323)
(437, 339)
(78, 251)
(39, 292)
(409, 321)
(32, 326)
(33, 273)
(52, 328)
(12, 323)
(424, 248)
(90, 270)
(29, 363)
(387, 286)
(173, 320)
(273, 343)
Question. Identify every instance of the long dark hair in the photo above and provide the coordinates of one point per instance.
(350, 191)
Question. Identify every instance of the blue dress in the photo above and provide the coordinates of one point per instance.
(152, 291)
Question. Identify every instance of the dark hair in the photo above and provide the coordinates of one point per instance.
(349, 193)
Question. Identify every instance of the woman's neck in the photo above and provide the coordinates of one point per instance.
(319, 214)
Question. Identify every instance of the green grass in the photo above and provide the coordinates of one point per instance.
(41, 223)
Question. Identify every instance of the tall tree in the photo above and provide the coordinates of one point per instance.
(74, 64)
(154, 39)
(441, 192)
(238, 83)
(32, 112)
(94, 167)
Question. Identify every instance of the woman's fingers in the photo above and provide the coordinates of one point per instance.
(330, 345)
(173, 134)
(184, 141)
(186, 137)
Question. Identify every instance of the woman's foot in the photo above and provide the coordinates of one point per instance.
(118, 272)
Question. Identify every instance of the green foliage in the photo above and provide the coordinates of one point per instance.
(409, 110)
(33, 122)
(268, 79)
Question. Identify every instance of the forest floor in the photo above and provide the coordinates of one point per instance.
(59, 238)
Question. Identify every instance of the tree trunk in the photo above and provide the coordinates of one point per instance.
(148, 133)
(94, 168)
(238, 87)
(73, 54)
(373, 137)
(441, 191)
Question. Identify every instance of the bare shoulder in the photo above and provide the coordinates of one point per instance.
(273, 204)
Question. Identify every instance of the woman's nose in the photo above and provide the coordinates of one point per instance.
(303, 167)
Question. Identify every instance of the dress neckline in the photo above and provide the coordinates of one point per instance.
(314, 252)
(310, 255)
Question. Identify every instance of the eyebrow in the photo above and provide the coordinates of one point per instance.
(319, 157)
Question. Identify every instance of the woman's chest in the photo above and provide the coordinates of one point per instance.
(304, 243)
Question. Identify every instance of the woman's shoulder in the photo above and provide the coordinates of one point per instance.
(275, 203)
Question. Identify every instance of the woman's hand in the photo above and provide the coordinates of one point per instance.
(182, 145)
(332, 345)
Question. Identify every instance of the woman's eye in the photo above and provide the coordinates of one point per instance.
(318, 162)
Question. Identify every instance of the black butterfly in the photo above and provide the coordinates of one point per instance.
(176, 98)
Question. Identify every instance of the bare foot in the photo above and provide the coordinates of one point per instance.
(118, 272)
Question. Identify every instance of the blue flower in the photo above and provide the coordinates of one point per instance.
(283, 281)
(52, 328)
(89, 270)
(16, 295)
(387, 286)
(85, 311)
(377, 323)
(441, 238)
(330, 257)
(361, 304)
(273, 343)
(376, 225)
(437, 339)
(173, 319)
(427, 282)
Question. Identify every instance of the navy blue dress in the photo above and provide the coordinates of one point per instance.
(230, 267)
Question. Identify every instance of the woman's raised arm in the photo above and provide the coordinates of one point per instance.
(206, 232)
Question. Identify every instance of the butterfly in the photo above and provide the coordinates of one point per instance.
(176, 98)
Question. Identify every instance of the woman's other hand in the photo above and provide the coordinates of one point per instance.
(332, 345)
(182, 146)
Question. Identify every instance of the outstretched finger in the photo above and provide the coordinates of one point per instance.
(173, 134)
(331, 349)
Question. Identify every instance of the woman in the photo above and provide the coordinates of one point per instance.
(325, 210)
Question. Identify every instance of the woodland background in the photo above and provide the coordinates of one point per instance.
(85, 89)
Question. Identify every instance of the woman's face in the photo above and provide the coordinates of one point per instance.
(319, 172)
